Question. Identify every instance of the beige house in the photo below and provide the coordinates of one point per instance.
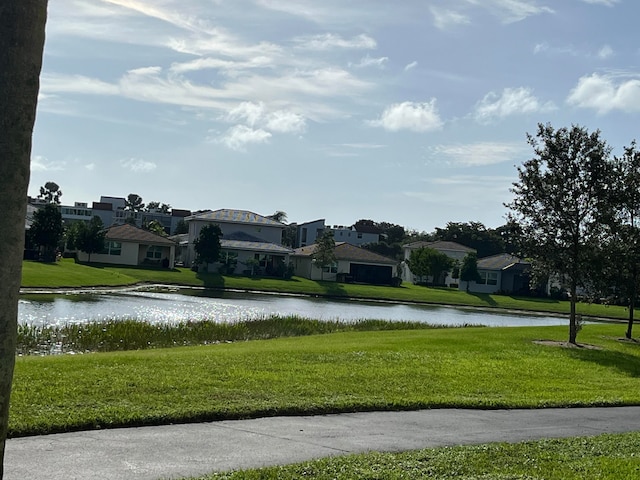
(129, 245)
(452, 250)
(353, 264)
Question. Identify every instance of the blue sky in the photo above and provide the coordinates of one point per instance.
(412, 112)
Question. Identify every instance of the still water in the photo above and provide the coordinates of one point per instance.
(182, 305)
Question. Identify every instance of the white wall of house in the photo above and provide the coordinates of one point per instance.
(266, 233)
(487, 284)
(349, 235)
(128, 256)
(308, 233)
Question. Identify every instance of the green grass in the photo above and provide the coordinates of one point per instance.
(353, 371)
(115, 335)
(69, 274)
(604, 457)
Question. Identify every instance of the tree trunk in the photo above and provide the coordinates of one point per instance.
(632, 304)
(22, 25)
(573, 325)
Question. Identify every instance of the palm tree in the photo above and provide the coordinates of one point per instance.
(21, 44)
(133, 203)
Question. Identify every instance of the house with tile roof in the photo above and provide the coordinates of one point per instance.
(245, 236)
(130, 245)
(453, 250)
(352, 264)
(501, 273)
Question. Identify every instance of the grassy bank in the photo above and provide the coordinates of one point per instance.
(606, 457)
(69, 274)
(408, 369)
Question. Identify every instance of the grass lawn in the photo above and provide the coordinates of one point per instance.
(407, 369)
(605, 457)
(69, 274)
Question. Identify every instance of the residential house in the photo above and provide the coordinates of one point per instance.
(307, 233)
(247, 238)
(501, 273)
(452, 250)
(356, 234)
(352, 264)
(129, 245)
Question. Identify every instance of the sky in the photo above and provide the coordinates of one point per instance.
(409, 112)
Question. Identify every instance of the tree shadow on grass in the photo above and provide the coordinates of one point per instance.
(485, 298)
(623, 362)
(332, 289)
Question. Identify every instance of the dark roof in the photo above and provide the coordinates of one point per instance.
(259, 246)
(367, 229)
(102, 206)
(346, 251)
(176, 212)
(501, 261)
(235, 216)
(440, 245)
(129, 233)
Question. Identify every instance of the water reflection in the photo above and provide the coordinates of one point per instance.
(225, 306)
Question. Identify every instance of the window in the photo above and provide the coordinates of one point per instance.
(333, 268)
(488, 278)
(112, 248)
(359, 235)
(304, 234)
(154, 252)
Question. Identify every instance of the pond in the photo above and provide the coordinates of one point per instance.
(177, 305)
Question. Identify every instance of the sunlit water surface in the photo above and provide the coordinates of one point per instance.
(182, 305)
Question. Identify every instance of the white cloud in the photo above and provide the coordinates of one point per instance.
(513, 10)
(444, 18)
(90, 166)
(605, 52)
(285, 122)
(478, 154)
(330, 41)
(512, 101)
(138, 165)
(57, 83)
(603, 94)
(256, 114)
(417, 117)
(43, 164)
(239, 136)
(607, 3)
(410, 66)
(369, 61)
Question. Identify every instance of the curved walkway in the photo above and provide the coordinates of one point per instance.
(177, 451)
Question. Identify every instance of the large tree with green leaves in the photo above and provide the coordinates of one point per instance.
(22, 25)
(324, 254)
(90, 236)
(47, 230)
(622, 247)
(561, 203)
(425, 262)
(207, 246)
(469, 269)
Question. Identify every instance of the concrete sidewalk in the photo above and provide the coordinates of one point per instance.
(176, 451)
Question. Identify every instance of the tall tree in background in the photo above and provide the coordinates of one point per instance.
(47, 230)
(324, 254)
(90, 236)
(474, 235)
(278, 216)
(469, 269)
(133, 203)
(50, 193)
(425, 262)
(22, 25)
(207, 245)
(560, 201)
(624, 243)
